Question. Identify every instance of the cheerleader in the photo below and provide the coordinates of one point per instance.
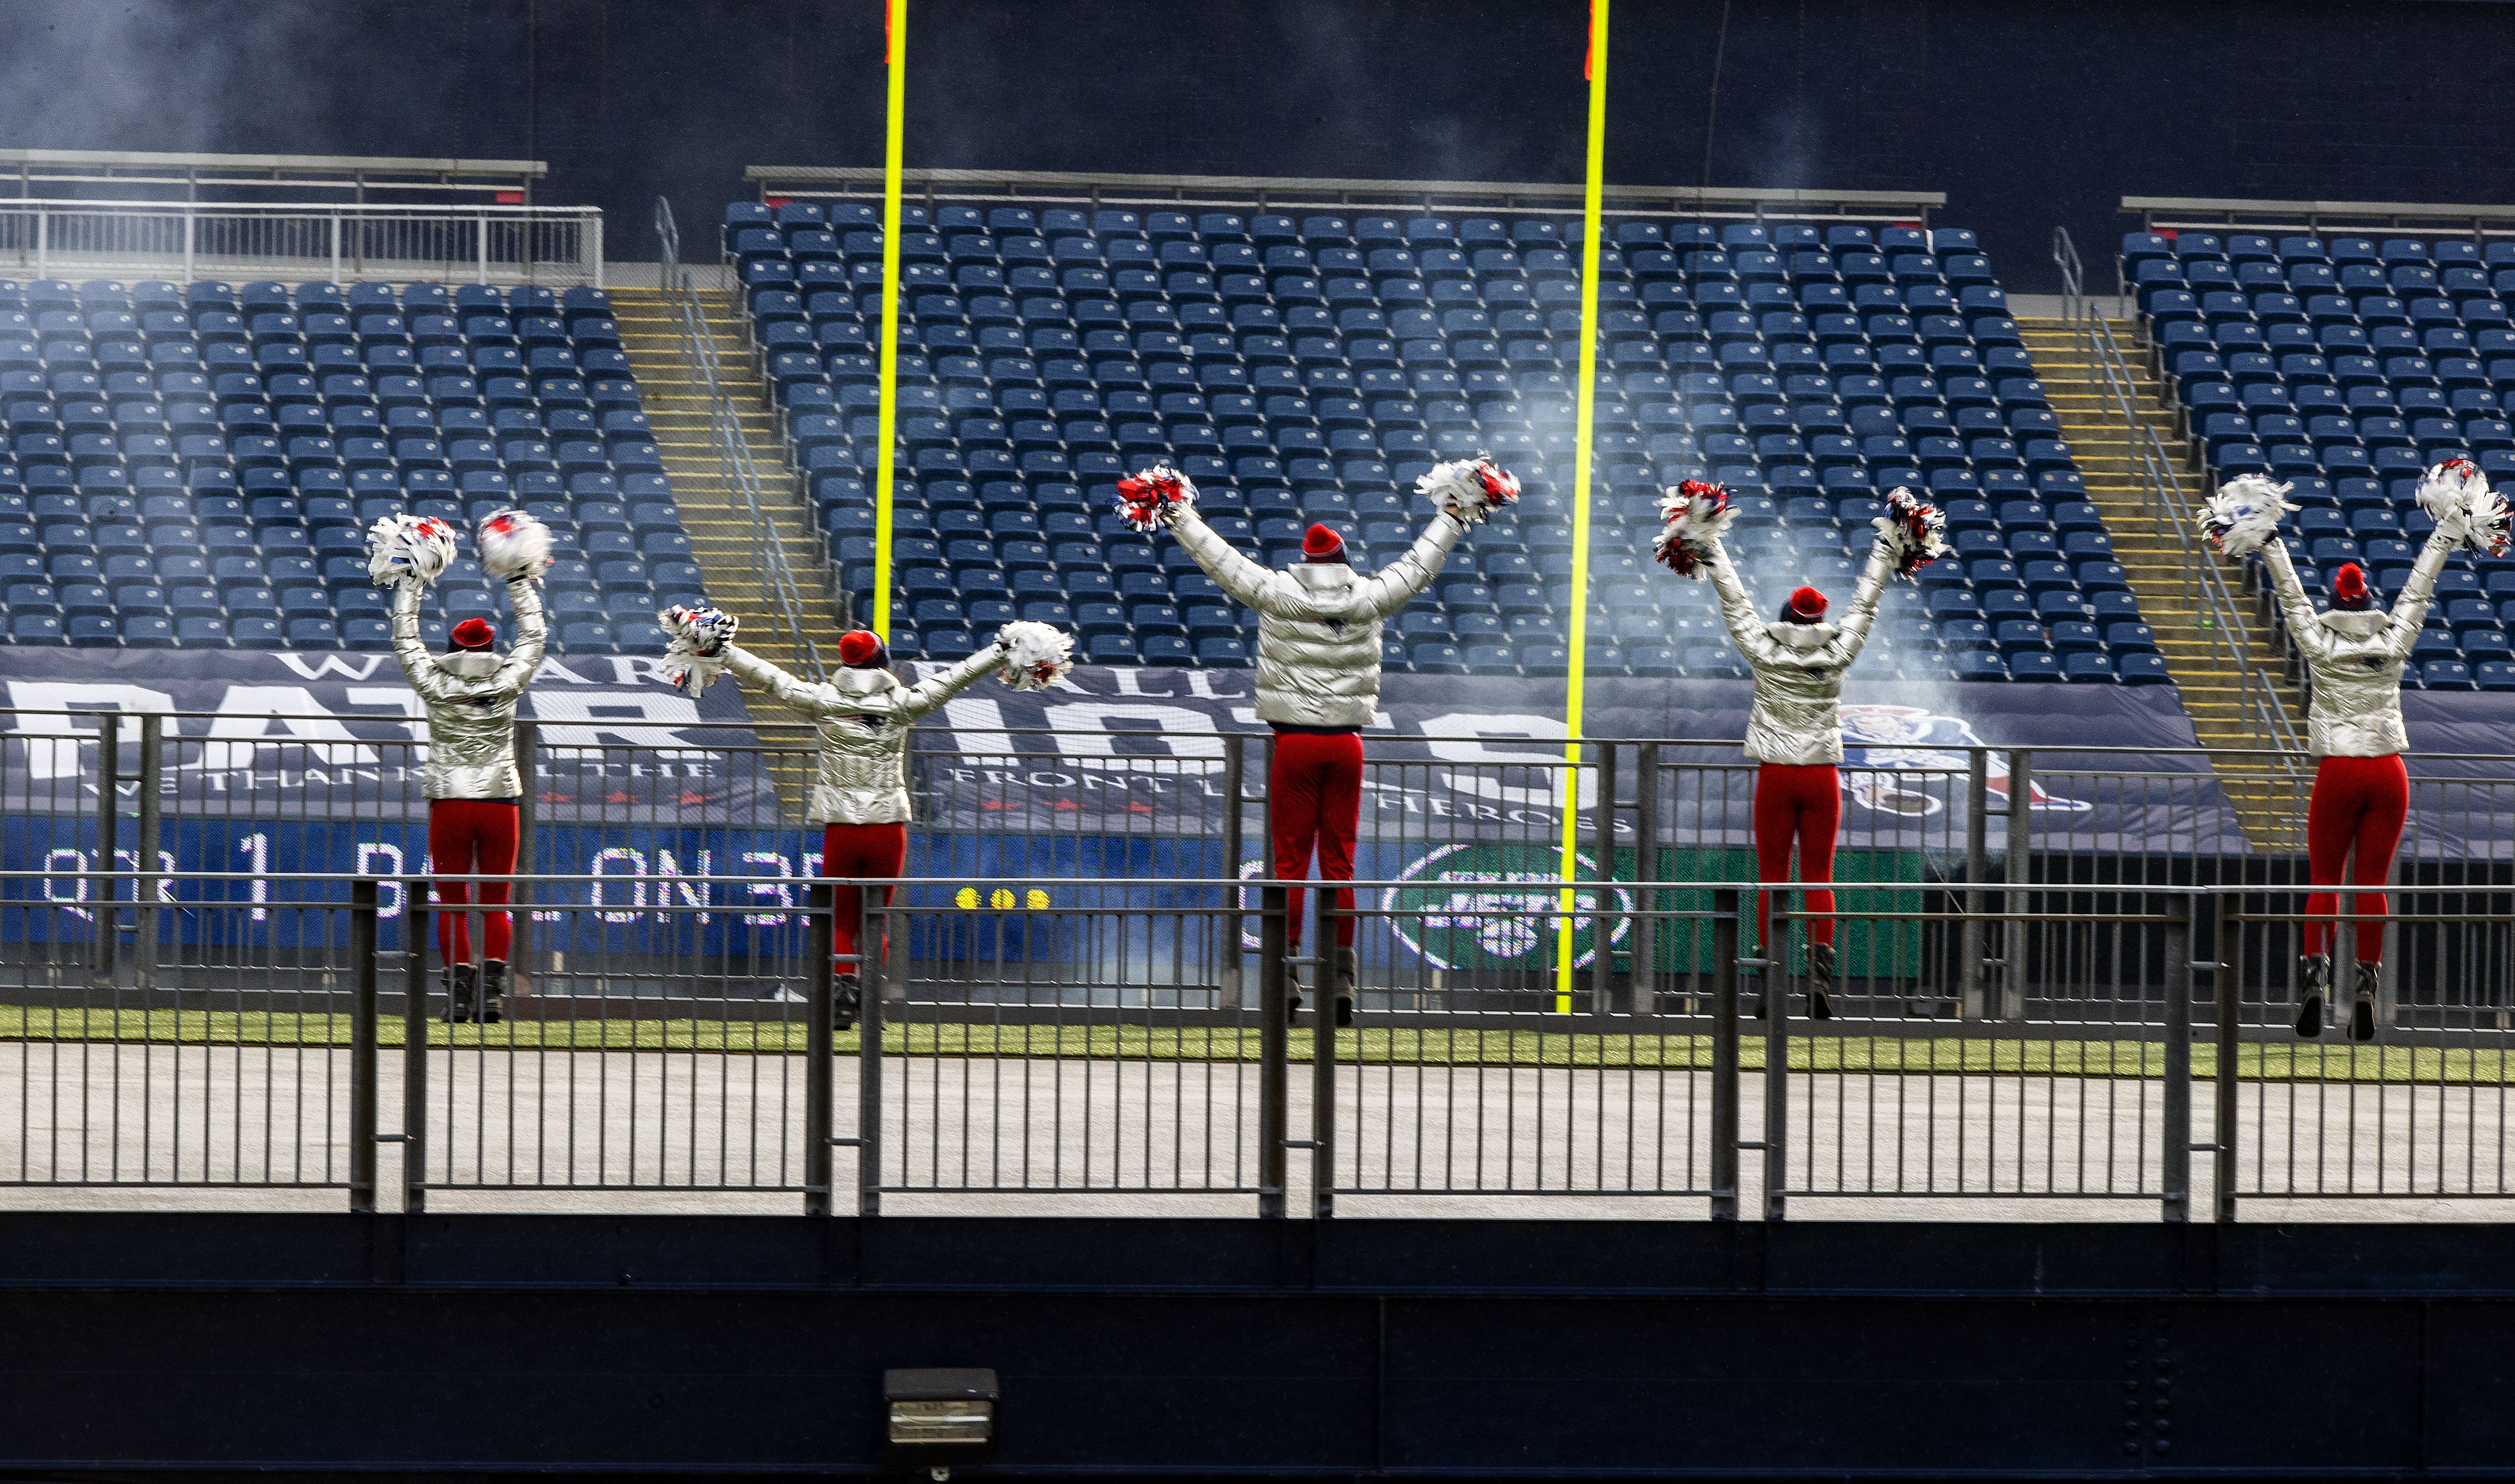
(2355, 655)
(1796, 730)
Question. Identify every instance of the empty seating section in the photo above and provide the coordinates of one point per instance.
(195, 465)
(1310, 369)
(2344, 365)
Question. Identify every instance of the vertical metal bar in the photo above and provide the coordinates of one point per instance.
(1273, 1076)
(1645, 954)
(1776, 1071)
(1602, 876)
(143, 886)
(2013, 933)
(1325, 917)
(1969, 935)
(2174, 1162)
(1235, 757)
(108, 842)
(819, 1051)
(362, 1045)
(336, 246)
(2228, 987)
(414, 1049)
(1724, 1054)
(484, 246)
(868, 927)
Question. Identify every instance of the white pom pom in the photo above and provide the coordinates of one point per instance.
(408, 548)
(695, 657)
(1149, 499)
(1914, 532)
(1471, 489)
(1036, 655)
(2244, 514)
(1696, 514)
(2456, 494)
(513, 545)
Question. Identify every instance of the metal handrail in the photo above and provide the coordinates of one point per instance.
(2205, 586)
(724, 424)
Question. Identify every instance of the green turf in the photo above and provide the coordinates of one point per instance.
(1403, 1047)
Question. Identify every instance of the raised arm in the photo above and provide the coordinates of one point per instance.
(1270, 593)
(1395, 585)
(418, 666)
(795, 695)
(1738, 609)
(2303, 630)
(925, 695)
(1853, 632)
(532, 636)
(2410, 609)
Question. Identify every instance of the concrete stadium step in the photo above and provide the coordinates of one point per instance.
(2159, 568)
(724, 538)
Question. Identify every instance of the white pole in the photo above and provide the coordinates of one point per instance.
(485, 244)
(336, 246)
(191, 228)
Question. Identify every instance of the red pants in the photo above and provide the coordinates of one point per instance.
(1802, 804)
(2359, 805)
(469, 837)
(1314, 800)
(860, 850)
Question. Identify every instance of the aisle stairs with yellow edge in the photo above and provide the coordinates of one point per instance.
(2268, 795)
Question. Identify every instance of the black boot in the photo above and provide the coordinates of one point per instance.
(1820, 981)
(2314, 986)
(493, 990)
(462, 993)
(847, 1001)
(2362, 1010)
(1345, 981)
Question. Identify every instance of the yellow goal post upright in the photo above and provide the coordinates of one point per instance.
(1584, 426)
(886, 467)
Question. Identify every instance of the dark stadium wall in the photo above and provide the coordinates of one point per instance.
(2025, 115)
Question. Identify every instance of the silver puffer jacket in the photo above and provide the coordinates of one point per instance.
(2356, 659)
(862, 719)
(1798, 668)
(1318, 623)
(471, 698)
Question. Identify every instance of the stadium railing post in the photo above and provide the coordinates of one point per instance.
(1235, 761)
(362, 1045)
(1724, 1054)
(109, 830)
(414, 1049)
(2174, 1163)
(2013, 932)
(528, 735)
(1644, 979)
(820, 1049)
(1273, 1051)
(2228, 987)
(1969, 935)
(1777, 1064)
(144, 884)
(1325, 919)
(871, 923)
(1602, 877)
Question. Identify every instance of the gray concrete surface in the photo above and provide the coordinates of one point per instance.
(86, 1125)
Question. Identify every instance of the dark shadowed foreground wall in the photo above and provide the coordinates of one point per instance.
(2027, 115)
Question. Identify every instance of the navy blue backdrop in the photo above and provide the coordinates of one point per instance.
(2026, 115)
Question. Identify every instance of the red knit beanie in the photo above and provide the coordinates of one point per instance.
(476, 634)
(1808, 606)
(1319, 544)
(2349, 588)
(862, 649)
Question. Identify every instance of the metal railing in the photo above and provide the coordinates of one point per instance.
(454, 242)
(1338, 194)
(2217, 616)
(725, 427)
(1137, 1039)
(2413, 219)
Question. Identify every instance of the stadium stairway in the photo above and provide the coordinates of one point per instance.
(2154, 564)
(722, 537)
